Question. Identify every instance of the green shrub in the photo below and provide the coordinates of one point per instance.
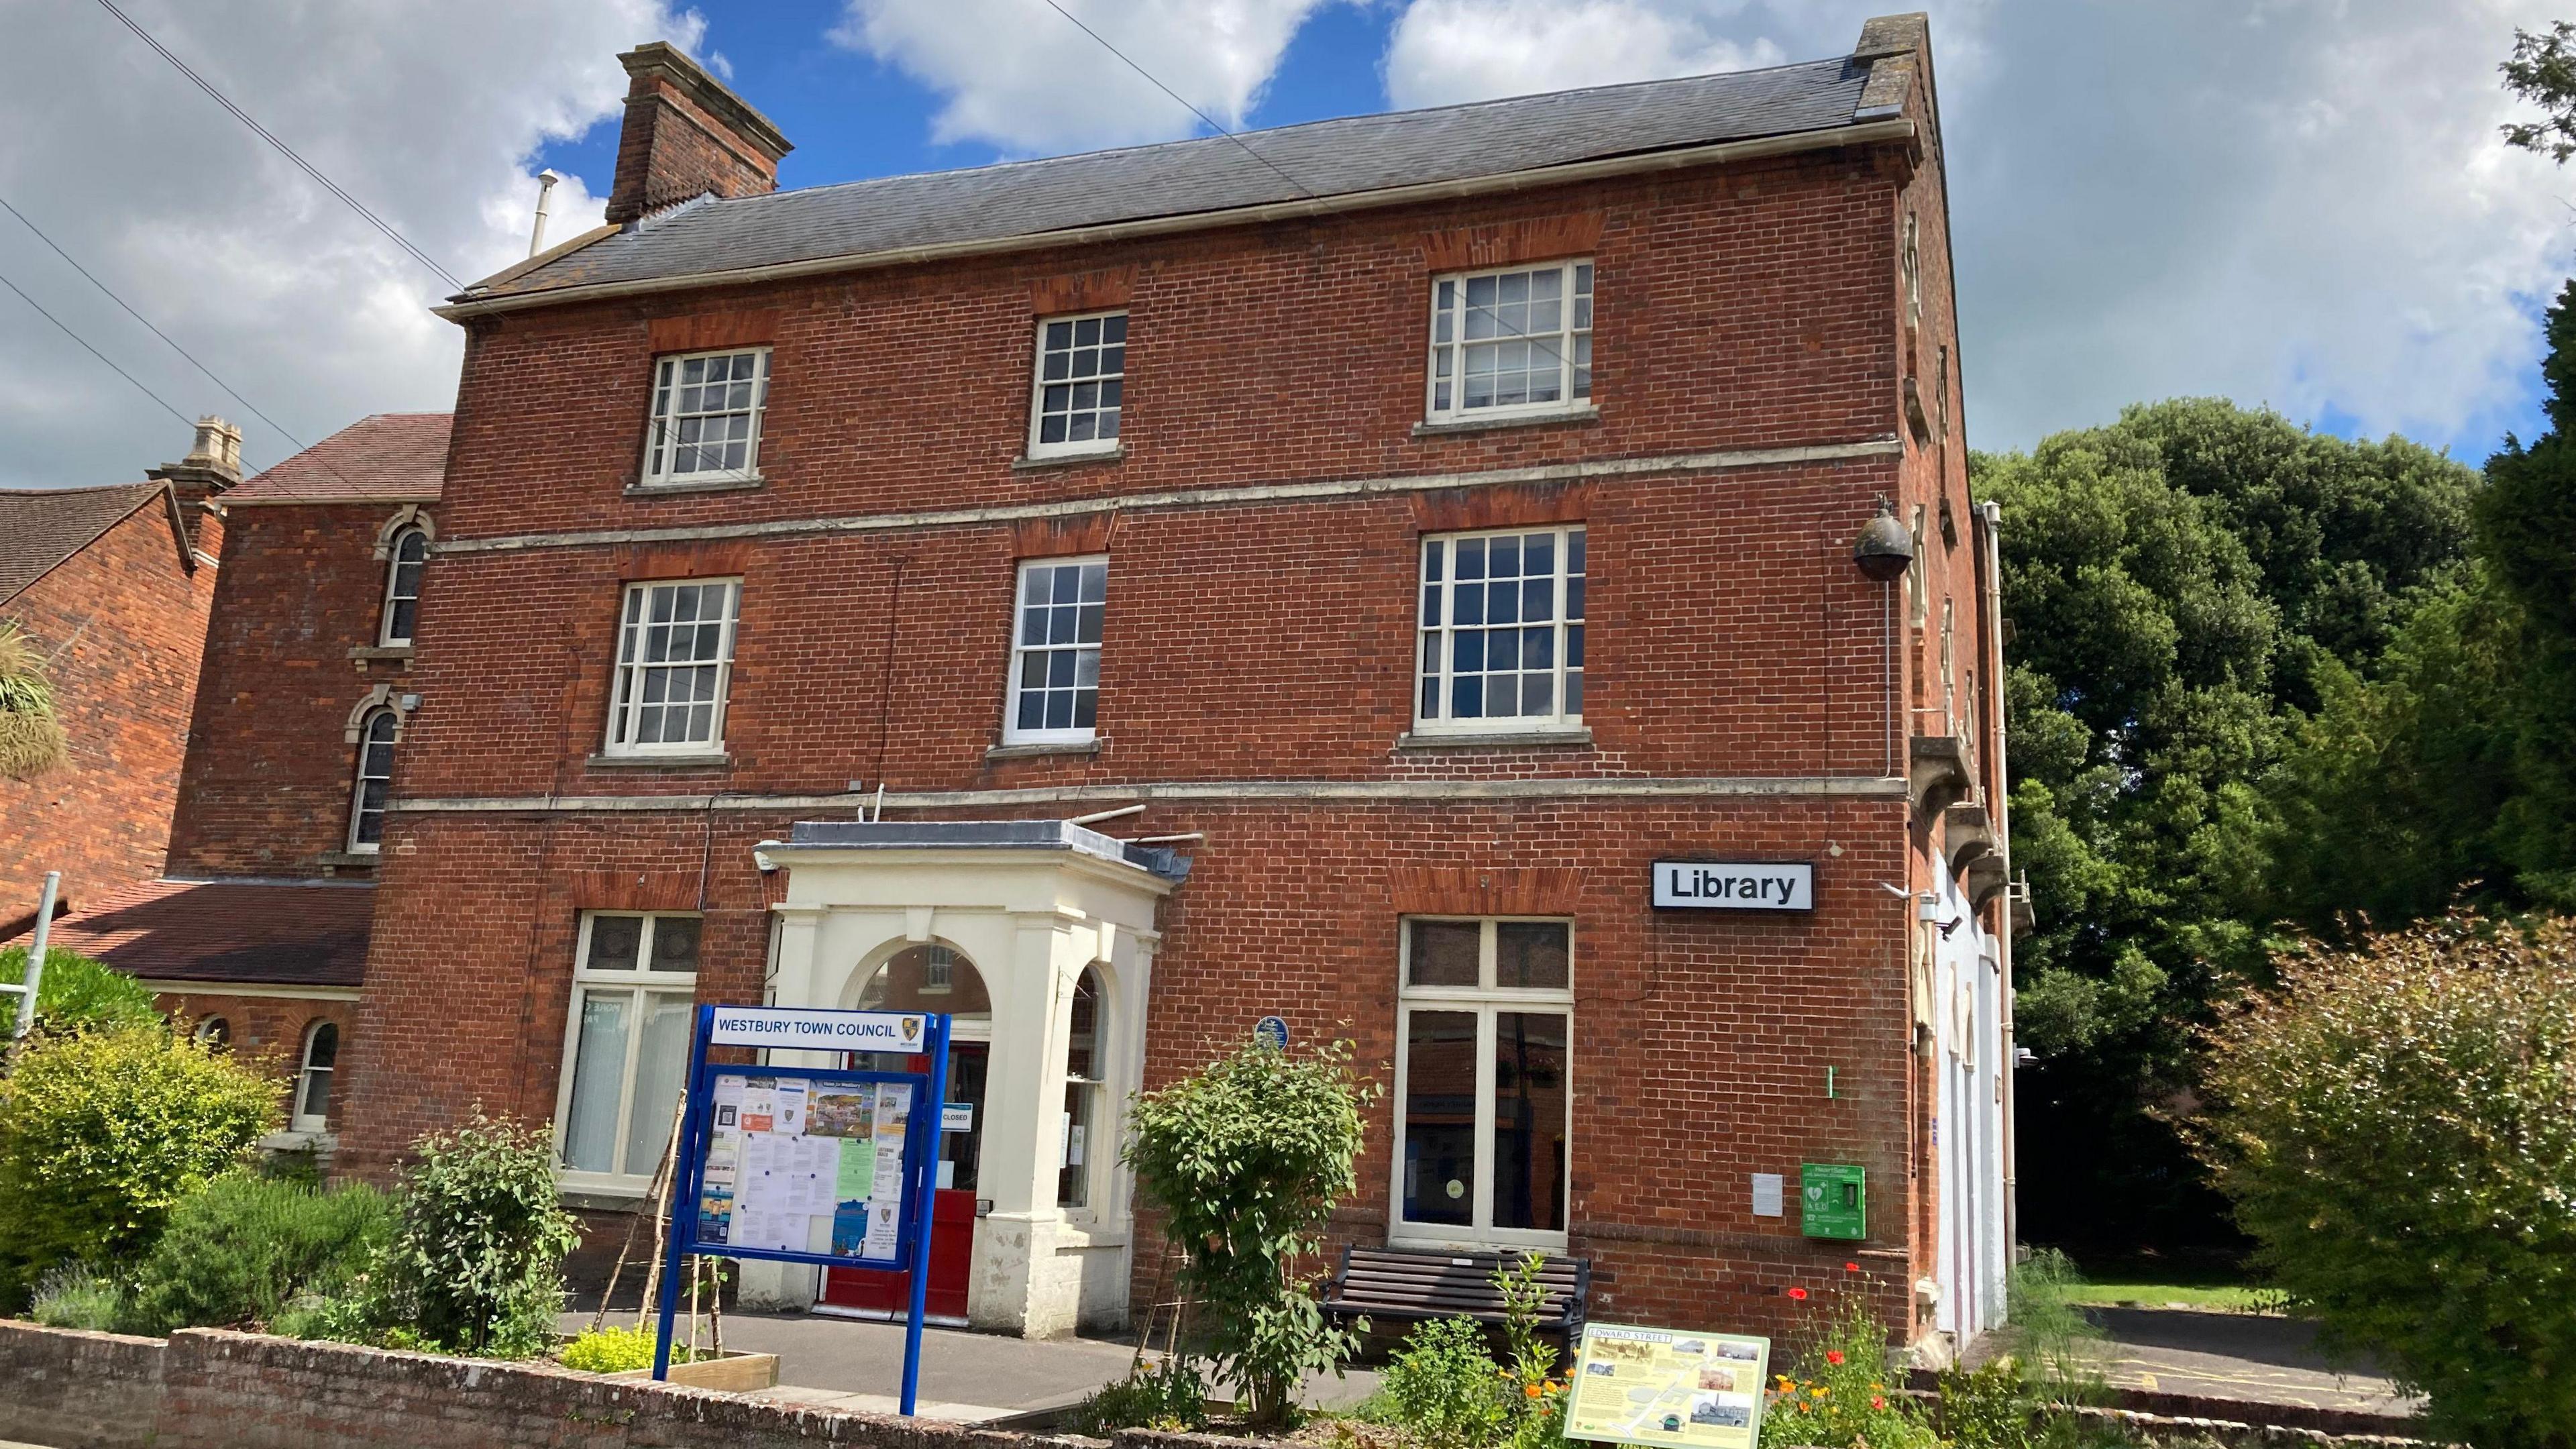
(1247, 1158)
(2396, 1127)
(1989, 1407)
(77, 992)
(475, 1264)
(2047, 1333)
(613, 1350)
(1167, 1396)
(241, 1250)
(1446, 1389)
(103, 1132)
(74, 1296)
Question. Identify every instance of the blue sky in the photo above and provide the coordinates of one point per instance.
(2301, 204)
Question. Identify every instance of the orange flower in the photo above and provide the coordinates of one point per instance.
(1878, 1403)
(1834, 1356)
(1529, 1391)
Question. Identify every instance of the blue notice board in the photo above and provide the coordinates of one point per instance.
(809, 1165)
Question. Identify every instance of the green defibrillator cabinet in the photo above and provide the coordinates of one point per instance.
(1833, 1199)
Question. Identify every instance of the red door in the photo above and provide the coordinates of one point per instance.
(952, 1207)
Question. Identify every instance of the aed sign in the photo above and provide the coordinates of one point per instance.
(795, 1029)
(1726, 885)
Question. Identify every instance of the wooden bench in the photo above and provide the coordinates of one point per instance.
(1401, 1283)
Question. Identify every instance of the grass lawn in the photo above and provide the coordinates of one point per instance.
(2209, 1297)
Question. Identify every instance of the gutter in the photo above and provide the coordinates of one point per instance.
(466, 304)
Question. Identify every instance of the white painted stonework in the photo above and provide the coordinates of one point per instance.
(1029, 920)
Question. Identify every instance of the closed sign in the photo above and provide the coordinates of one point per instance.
(1719, 885)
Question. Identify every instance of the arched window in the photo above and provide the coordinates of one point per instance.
(1086, 1071)
(376, 736)
(214, 1031)
(313, 1082)
(409, 552)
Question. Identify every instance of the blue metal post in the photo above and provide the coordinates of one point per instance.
(926, 1194)
(685, 1192)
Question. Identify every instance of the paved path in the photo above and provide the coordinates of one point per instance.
(965, 1377)
(2258, 1357)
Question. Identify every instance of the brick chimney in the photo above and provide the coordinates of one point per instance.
(687, 135)
(213, 464)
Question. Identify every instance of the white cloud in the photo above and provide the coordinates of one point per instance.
(2301, 202)
(279, 288)
(1443, 51)
(1022, 77)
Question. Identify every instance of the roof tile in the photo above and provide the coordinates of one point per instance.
(41, 527)
(386, 458)
(267, 933)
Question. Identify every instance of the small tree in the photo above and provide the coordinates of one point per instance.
(31, 738)
(2396, 1126)
(480, 1234)
(103, 1132)
(76, 992)
(1246, 1159)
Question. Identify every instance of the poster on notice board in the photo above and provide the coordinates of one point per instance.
(802, 1166)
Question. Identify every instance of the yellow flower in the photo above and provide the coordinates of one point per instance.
(1820, 1391)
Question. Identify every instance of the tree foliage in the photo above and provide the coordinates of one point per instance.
(1246, 1159)
(2186, 586)
(103, 1132)
(2396, 1127)
(76, 992)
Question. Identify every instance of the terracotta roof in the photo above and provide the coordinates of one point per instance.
(41, 527)
(387, 458)
(269, 933)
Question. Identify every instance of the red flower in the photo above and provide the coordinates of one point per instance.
(1798, 1293)
(1879, 1402)
(1851, 1267)
(1834, 1356)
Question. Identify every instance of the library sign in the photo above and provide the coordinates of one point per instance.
(1734, 885)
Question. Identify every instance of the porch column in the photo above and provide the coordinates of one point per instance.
(1016, 1262)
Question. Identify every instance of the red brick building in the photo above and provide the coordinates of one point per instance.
(1344, 576)
(112, 586)
(254, 929)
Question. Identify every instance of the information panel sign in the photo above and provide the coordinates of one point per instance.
(1734, 885)
(806, 1165)
(1671, 1388)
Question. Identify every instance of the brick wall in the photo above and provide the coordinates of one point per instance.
(81, 1390)
(124, 622)
(266, 790)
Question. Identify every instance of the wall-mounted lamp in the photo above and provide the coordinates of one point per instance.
(1884, 549)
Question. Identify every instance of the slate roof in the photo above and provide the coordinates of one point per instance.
(386, 458)
(265, 933)
(1326, 158)
(41, 527)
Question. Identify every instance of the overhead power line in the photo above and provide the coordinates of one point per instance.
(183, 418)
(309, 169)
(1301, 186)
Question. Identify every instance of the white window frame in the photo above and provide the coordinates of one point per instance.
(1012, 733)
(409, 535)
(381, 714)
(639, 982)
(628, 682)
(661, 447)
(306, 1073)
(1039, 382)
(1436, 638)
(1488, 1002)
(1095, 1092)
(1572, 342)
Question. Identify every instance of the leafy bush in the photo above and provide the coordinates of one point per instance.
(76, 992)
(103, 1132)
(613, 1350)
(1446, 1390)
(1247, 1158)
(475, 1264)
(1167, 1396)
(2396, 1126)
(1989, 1407)
(2047, 1333)
(241, 1250)
(74, 1296)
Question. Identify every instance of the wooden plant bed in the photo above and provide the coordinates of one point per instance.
(734, 1373)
